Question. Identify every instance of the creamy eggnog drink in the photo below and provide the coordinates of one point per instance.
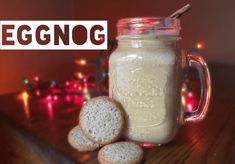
(147, 85)
(145, 77)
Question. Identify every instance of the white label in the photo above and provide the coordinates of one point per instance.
(53, 35)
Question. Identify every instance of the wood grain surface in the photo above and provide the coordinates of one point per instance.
(40, 138)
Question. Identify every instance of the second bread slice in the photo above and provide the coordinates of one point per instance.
(102, 120)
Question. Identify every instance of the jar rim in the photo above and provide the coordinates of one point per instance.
(149, 25)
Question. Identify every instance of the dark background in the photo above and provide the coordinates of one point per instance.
(210, 22)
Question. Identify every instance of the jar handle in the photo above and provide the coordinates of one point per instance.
(196, 61)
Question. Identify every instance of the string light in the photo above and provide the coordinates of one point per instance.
(183, 89)
(55, 98)
(26, 81)
(81, 62)
(67, 83)
(190, 94)
(49, 98)
(199, 45)
(52, 91)
(68, 98)
(36, 78)
(190, 107)
(50, 110)
(183, 101)
(79, 75)
(25, 99)
(38, 93)
(79, 88)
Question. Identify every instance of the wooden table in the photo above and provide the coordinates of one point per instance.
(39, 135)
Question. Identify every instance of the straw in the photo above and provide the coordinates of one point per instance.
(181, 11)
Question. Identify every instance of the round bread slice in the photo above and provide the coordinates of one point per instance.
(102, 120)
(79, 141)
(121, 152)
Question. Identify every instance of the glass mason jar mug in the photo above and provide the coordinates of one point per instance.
(146, 78)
